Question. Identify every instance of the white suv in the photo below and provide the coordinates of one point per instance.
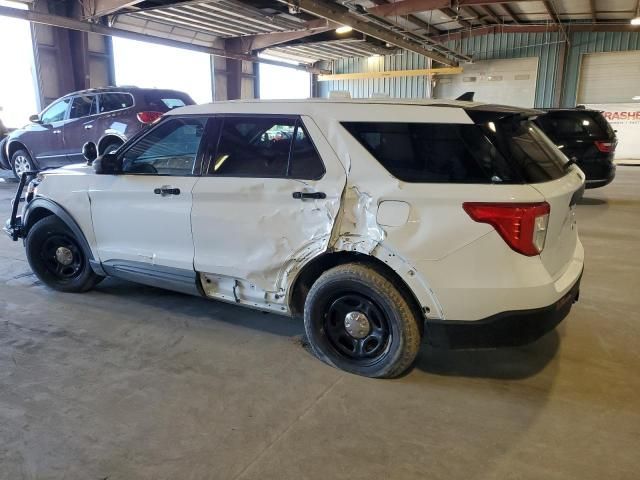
(380, 221)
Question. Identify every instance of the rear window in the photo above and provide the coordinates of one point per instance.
(163, 103)
(504, 151)
(568, 125)
(115, 101)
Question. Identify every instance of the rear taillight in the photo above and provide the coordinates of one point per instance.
(148, 117)
(605, 147)
(522, 225)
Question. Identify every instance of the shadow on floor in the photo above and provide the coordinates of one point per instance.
(502, 363)
(202, 309)
(592, 201)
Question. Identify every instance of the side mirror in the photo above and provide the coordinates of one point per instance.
(35, 119)
(90, 152)
(108, 164)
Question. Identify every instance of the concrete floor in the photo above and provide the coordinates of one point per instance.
(129, 382)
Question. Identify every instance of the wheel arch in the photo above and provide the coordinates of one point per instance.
(320, 264)
(40, 208)
(16, 145)
(107, 139)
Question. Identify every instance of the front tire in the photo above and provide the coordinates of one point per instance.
(21, 162)
(358, 321)
(56, 257)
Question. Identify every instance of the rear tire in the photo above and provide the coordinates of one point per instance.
(111, 147)
(21, 162)
(358, 321)
(56, 257)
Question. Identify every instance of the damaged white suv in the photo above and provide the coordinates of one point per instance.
(382, 222)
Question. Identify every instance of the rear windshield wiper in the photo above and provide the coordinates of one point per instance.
(571, 161)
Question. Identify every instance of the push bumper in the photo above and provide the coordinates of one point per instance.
(13, 226)
(506, 329)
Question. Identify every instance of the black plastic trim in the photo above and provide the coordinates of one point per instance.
(506, 329)
(159, 276)
(62, 214)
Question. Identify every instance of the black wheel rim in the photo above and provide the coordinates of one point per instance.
(368, 345)
(62, 257)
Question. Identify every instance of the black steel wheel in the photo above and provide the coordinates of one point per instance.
(57, 258)
(62, 257)
(357, 328)
(358, 321)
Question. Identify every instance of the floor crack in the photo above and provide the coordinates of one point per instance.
(284, 432)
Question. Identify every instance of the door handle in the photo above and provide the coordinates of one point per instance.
(310, 195)
(166, 190)
(88, 127)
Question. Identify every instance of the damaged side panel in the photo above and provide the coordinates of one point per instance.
(251, 234)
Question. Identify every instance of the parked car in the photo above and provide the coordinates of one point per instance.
(585, 136)
(379, 222)
(105, 116)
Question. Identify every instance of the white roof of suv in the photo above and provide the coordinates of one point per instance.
(354, 109)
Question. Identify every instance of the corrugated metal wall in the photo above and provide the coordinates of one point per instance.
(546, 46)
(592, 42)
(400, 87)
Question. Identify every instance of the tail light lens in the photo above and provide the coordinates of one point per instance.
(605, 147)
(522, 225)
(148, 117)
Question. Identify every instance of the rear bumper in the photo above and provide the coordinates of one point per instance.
(506, 329)
(599, 177)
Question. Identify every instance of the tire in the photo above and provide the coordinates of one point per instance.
(383, 344)
(50, 244)
(112, 146)
(21, 162)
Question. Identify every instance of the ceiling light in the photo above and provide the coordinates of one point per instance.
(375, 55)
(344, 29)
(635, 21)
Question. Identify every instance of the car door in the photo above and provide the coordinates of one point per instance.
(80, 126)
(46, 138)
(141, 217)
(270, 194)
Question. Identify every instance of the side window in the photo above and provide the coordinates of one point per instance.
(171, 148)
(253, 147)
(265, 147)
(115, 101)
(433, 153)
(305, 163)
(56, 111)
(83, 106)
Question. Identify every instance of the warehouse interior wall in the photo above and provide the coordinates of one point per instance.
(557, 74)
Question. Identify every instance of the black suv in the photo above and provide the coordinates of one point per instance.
(107, 117)
(586, 137)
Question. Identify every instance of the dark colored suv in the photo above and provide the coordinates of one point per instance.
(105, 116)
(586, 137)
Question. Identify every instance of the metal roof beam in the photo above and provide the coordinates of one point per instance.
(342, 15)
(537, 28)
(100, 8)
(405, 7)
(265, 40)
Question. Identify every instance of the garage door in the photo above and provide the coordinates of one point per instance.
(609, 82)
(609, 77)
(509, 82)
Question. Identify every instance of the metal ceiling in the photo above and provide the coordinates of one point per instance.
(426, 24)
